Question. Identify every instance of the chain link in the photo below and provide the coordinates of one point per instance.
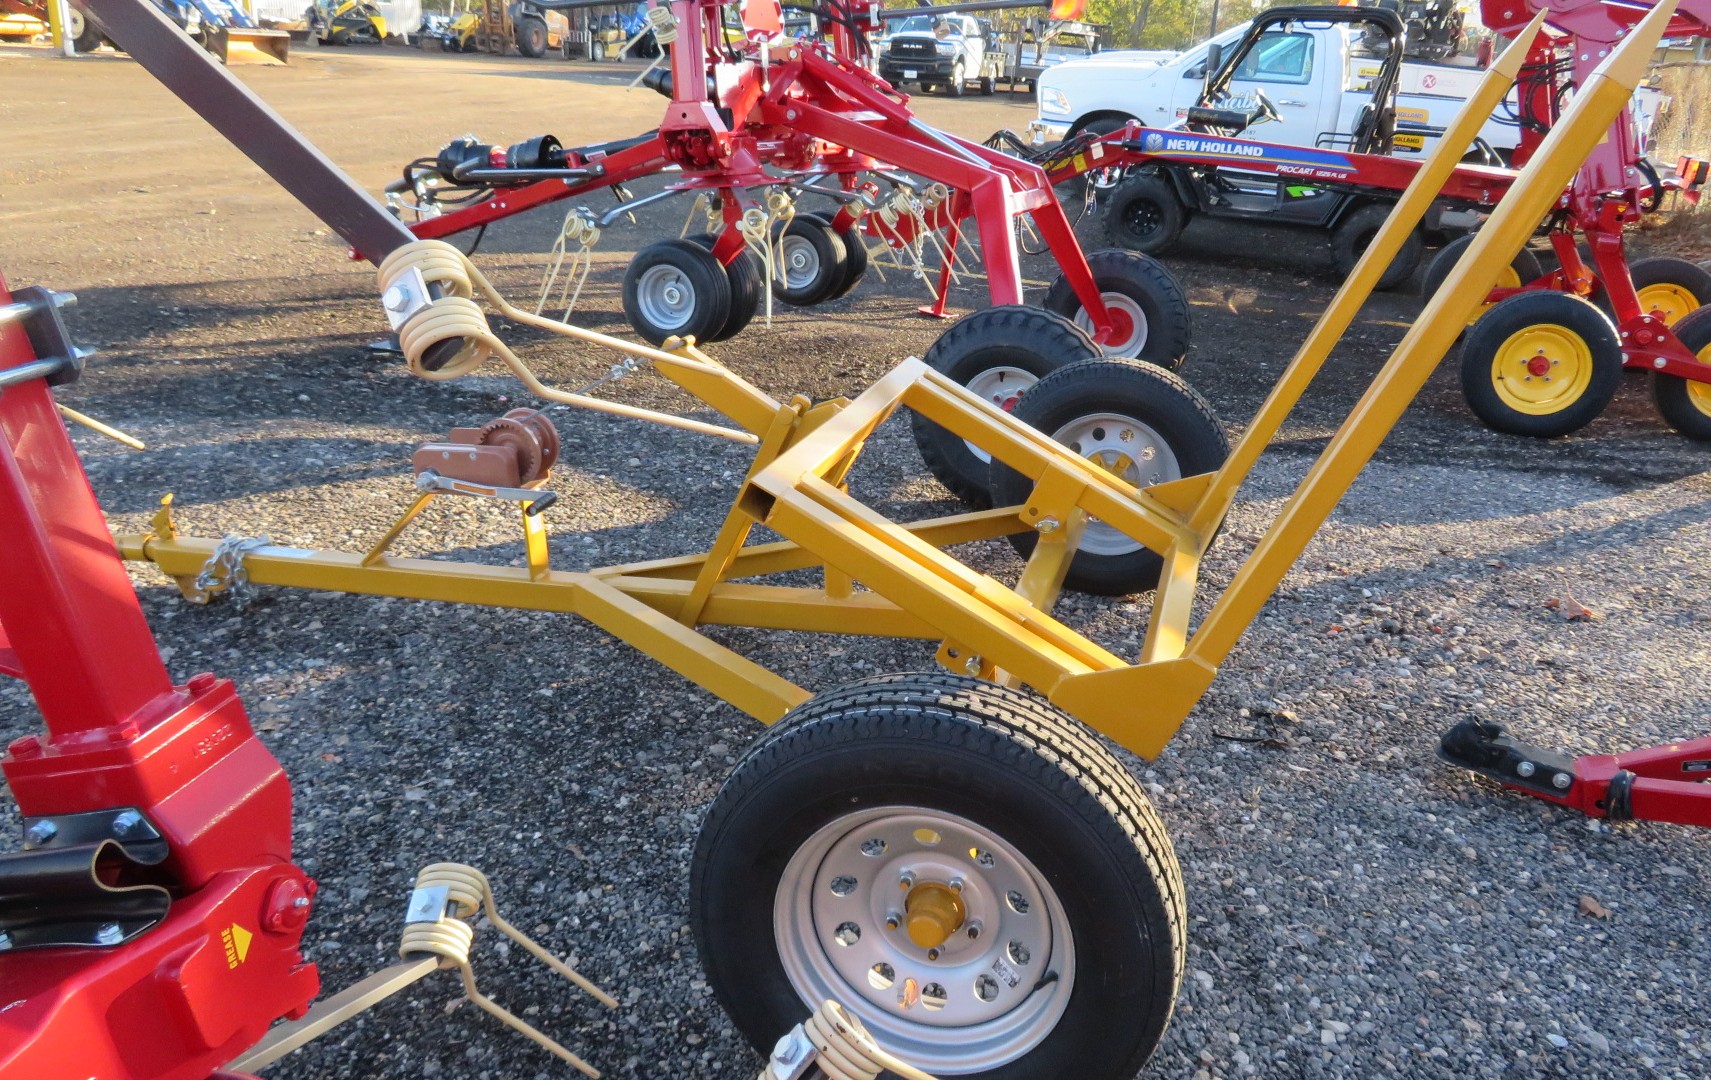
(224, 571)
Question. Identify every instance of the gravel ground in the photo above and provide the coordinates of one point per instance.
(1357, 908)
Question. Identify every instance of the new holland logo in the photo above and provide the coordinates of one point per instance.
(237, 942)
(1213, 146)
(1153, 141)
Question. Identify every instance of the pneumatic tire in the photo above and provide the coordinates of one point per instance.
(1670, 288)
(676, 288)
(855, 256)
(1541, 363)
(1685, 404)
(1350, 238)
(748, 282)
(1144, 214)
(1066, 876)
(1139, 422)
(997, 354)
(1146, 301)
(812, 260)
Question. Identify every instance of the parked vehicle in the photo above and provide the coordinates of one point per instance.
(943, 50)
(1320, 76)
(347, 22)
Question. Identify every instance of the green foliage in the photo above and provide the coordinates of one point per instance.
(1167, 24)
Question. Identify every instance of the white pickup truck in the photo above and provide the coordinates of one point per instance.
(1319, 78)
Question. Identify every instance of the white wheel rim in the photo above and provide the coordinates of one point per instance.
(74, 23)
(665, 297)
(983, 1002)
(1128, 449)
(1003, 386)
(1131, 346)
(799, 262)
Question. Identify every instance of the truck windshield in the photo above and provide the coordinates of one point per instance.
(919, 24)
(1280, 57)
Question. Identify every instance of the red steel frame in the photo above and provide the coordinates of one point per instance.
(179, 1000)
(812, 109)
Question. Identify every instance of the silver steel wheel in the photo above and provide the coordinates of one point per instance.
(1003, 386)
(666, 297)
(798, 262)
(935, 931)
(1127, 448)
(1129, 317)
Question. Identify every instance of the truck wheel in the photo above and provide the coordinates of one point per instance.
(1352, 235)
(1670, 288)
(997, 353)
(1146, 302)
(988, 85)
(959, 80)
(1685, 404)
(855, 251)
(532, 38)
(676, 288)
(1524, 267)
(748, 282)
(1540, 363)
(961, 865)
(1144, 214)
(812, 260)
(1141, 423)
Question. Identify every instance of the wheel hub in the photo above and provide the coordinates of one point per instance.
(1128, 333)
(934, 912)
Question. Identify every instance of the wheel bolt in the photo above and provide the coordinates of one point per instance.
(973, 930)
(893, 921)
(956, 884)
(932, 954)
(905, 880)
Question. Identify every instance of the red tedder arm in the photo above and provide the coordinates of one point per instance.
(151, 925)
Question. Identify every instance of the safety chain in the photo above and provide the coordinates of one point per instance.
(224, 572)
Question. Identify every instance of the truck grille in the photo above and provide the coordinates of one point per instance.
(913, 50)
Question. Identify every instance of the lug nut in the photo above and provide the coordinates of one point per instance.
(893, 921)
(905, 880)
(974, 930)
(932, 954)
(126, 822)
(109, 934)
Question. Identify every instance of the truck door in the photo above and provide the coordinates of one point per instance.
(974, 43)
(1288, 67)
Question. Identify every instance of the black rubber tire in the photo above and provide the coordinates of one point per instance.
(1352, 234)
(1145, 282)
(1007, 761)
(1505, 319)
(1524, 266)
(340, 38)
(1013, 336)
(1685, 405)
(711, 290)
(831, 258)
(596, 50)
(748, 285)
(1685, 276)
(855, 252)
(87, 36)
(1154, 397)
(448, 45)
(1145, 214)
(988, 86)
(532, 38)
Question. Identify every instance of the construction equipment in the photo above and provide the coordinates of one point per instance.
(26, 19)
(347, 22)
(837, 855)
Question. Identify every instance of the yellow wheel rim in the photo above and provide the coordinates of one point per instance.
(1542, 369)
(1508, 279)
(1667, 301)
(1698, 393)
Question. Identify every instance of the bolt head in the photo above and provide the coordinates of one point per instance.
(41, 832)
(1047, 525)
(126, 822)
(1561, 781)
(394, 298)
(110, 934)
(1525, 768)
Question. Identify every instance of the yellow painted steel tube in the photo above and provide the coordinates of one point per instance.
(1535, 191)
(1335, 322)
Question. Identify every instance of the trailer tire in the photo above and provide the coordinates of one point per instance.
(855, 252)
(1669, 287)
(676, 288)
(1524, 267)
(1144, 424)
(1064, 862)
(1351, 236)
(988, 85)
(997, 354)
(1541, 364)
(1144, 214)
(532, 38)
(748, 285)
(1153, 319)
(812, 261)
(1685, 404)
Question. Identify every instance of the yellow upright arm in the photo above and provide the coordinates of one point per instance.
(1537, 188)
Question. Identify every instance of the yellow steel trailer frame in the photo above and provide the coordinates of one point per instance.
(909, 586)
